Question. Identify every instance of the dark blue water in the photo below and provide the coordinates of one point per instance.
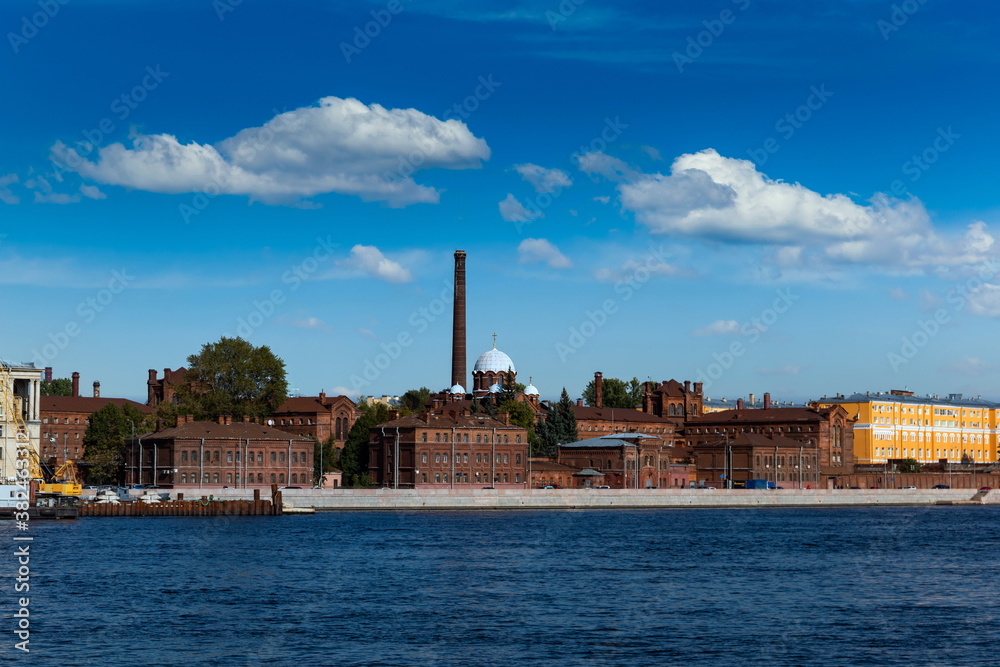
(871, 586)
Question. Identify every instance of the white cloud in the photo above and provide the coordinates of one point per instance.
(985, 300)
(339, 145)
(369, 260)
(652, 153)
(719, 328)
(6, 196)
(542, 179)
(898, 294)
(970, 366)
(709, 196)
(513, 210)
(603, 200)
(92, 192)
(533, 251)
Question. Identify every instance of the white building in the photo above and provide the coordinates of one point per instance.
(20, 391)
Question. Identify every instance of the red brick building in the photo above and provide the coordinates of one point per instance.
(164, 390)
(829, 431)
(448, 449)
(197, 454)
(65, 420)
(318, 416)
(626, 460)
(787, 463)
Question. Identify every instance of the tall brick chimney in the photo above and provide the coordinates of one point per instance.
(767, 400)
(48, 373)
(97, 389)
(739, 403)
(76, 383)
(598, 389)
(458, 353)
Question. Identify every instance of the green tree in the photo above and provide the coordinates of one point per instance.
(615, 393)
(909, 465)
(354, 457)
(415, 399)
(104, 443)
(58, 387)
(559, 426)
(511, 388)
(232, 377)
(324, 458)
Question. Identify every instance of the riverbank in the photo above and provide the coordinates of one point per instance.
(507, 499)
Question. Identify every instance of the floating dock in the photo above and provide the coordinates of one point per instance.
(205, 506)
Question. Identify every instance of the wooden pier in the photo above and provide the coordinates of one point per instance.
(181, 507)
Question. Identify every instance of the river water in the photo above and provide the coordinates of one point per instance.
(862, 586)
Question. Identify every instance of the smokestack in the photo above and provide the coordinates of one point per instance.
(458, 374)
(598, 390)
(767, 400)
(753, 401)
(97, 389)
(48, 373)
(76, 383)
(739, 403)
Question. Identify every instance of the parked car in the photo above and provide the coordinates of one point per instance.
(908, 487)
(710, 488)
(984, 489)
(602, 486)
(940, 486)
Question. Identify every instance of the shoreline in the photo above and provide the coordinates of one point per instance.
(574, 499)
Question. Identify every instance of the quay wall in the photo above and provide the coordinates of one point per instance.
(504, 499)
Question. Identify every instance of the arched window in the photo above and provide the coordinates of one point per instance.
(273, 478)
(184, 478)
(281, 478)
(229, 478)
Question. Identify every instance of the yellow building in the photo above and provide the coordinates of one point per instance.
(898, 425)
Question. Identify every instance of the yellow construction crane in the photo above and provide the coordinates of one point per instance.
(66, 479)
(11, 421)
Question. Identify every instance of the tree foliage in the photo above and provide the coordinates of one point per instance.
(615, 393)
(104, 442)
(415, 399)
(324, 458)
(58, 387)
(559, 426)
(354, 457)
(232, 377)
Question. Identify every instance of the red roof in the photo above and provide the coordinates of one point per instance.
(216, 431)
(756, 416)
(87, 404)
(617, 415)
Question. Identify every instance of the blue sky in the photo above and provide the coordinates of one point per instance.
(765, 196)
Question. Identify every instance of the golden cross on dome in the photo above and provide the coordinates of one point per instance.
(494, 341)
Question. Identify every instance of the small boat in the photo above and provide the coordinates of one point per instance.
(288, 508)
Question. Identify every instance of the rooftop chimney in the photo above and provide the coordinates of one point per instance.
(767, 400)
(579, 402)
(753, 400)
(739, 403)
(458, 374)
(76, 383)
(48, 373)
(598, 390)
(97, 389)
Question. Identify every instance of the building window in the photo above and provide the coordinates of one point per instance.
(237, 479)
(423, 457)
(444, 459)
(295, 457)
(205, 478)
(479, 458)
(215, 478)
(437, 457)
(217, 456)
(295, 478)
(446, 478)
(446, 437)
(437, 478)
(506, 459)
(479, 437)
(517, 439)
(184, 456)
(465, 458)
(281, 478)
(517, 479)
(437, 437)
(423, 477)
(281, 459)
(184, 478)
(423, 437)
(505, 478)
(260, 457)
(273, 458)
(229, 478)
(229, 457)
(273, 476)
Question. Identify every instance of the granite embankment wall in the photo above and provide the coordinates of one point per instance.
(503, 499)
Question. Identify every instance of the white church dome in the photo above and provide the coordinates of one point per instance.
(494, 361)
